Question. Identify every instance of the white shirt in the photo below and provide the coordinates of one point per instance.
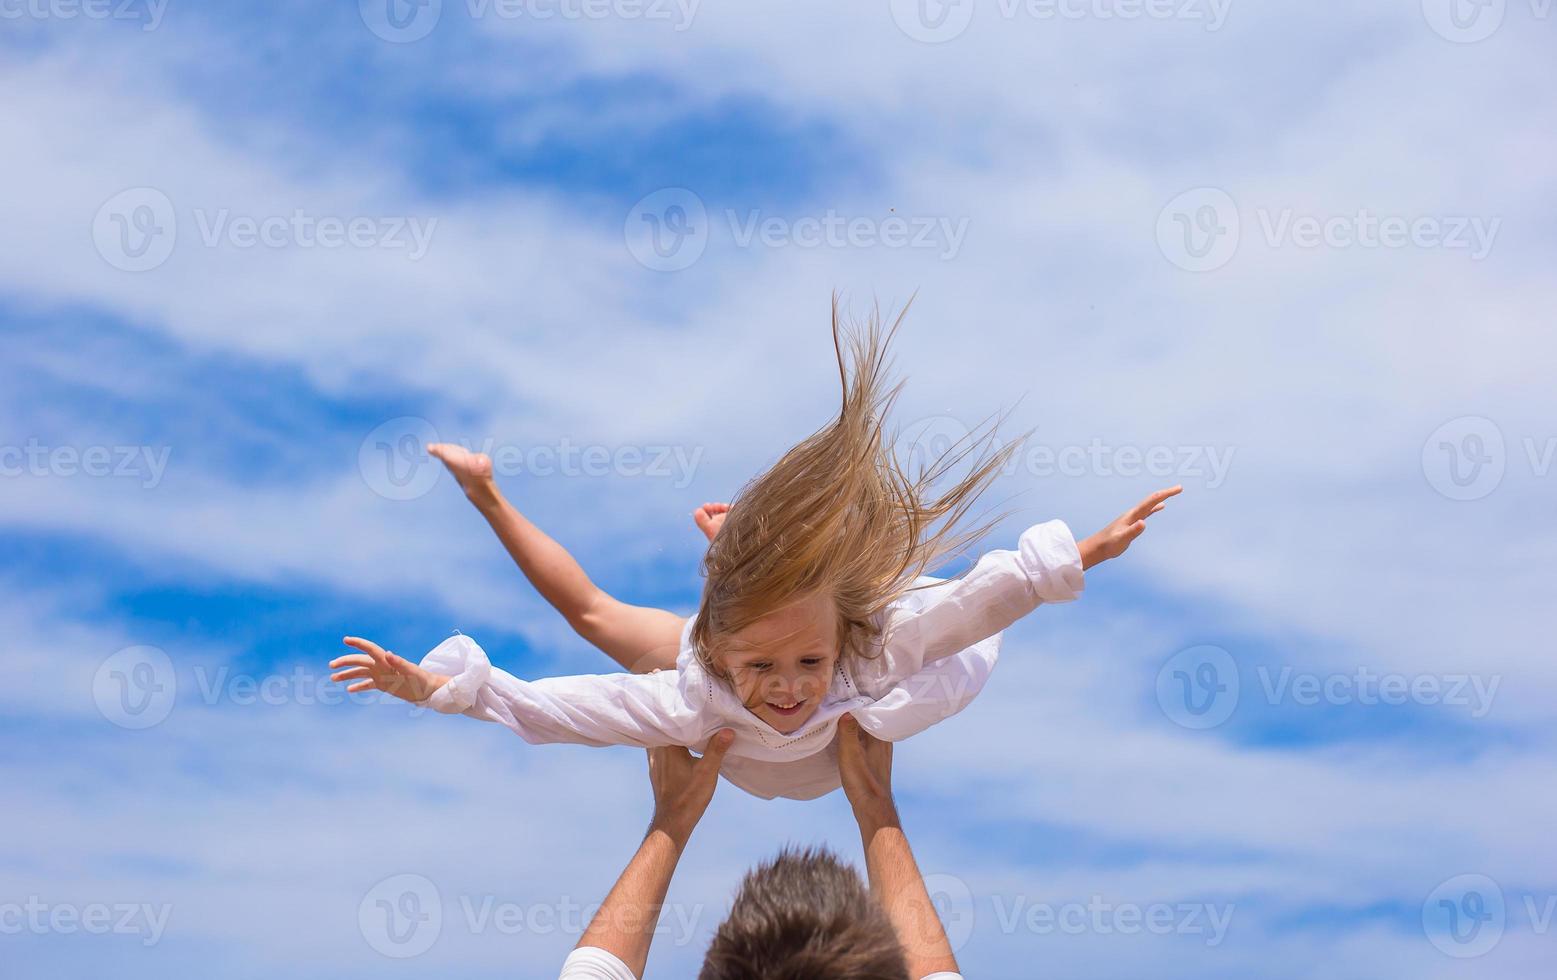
(938, 648)
(592, 963)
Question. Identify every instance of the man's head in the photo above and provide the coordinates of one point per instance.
(805, 915)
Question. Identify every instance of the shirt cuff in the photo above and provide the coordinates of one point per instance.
(594, 963)
(468, 669)
(1049, 556)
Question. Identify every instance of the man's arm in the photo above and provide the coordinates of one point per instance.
(624, 926)
(639, 638)
(865, 763)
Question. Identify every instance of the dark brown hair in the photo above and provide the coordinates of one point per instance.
(805, 915)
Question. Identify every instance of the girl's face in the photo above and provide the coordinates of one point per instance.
(782, 664)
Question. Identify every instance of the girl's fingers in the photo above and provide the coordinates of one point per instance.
(366, 646)
(354, 672)
(1154, 503)
(352, 660)
(366, 685)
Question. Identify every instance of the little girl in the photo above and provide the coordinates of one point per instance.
(814, 605)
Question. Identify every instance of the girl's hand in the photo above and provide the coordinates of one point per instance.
(377, 669)
(1112, 541)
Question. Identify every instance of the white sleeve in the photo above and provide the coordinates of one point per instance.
(1001, 587)
(593, 963)
(588, 709)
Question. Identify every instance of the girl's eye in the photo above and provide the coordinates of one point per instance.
(758, 666)
(812, 661)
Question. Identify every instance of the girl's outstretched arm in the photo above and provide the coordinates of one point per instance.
(643, 710)
(639, 638)
(1002, 587)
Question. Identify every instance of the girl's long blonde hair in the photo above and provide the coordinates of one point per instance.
(838, 514)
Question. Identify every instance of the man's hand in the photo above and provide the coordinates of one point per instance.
(1112, 541)
(865, 766)
(684, 785)
(377, 669)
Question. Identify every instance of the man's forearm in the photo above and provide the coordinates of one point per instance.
(625, 924)
(899, 888)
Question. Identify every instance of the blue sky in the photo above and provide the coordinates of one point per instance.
(1298, 256)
